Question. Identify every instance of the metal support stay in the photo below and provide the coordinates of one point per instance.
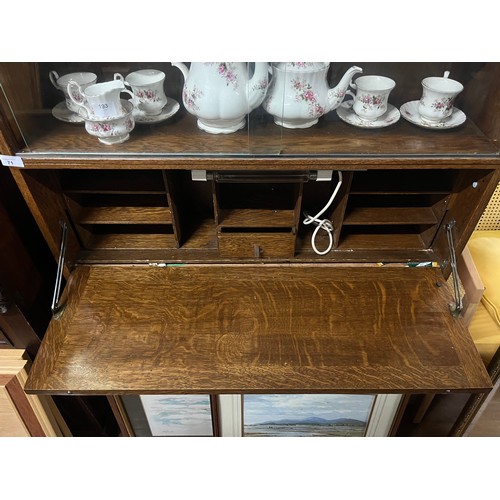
(56, 307)
(457, 307)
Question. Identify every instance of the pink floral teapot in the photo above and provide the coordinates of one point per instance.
(299, 94)
(221, 94)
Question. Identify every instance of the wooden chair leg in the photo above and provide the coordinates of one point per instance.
(422, 409)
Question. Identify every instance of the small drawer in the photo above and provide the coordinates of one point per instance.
(256, 244)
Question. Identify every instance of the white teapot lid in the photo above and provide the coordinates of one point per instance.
(300, 66)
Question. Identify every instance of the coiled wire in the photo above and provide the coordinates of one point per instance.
(324, 224)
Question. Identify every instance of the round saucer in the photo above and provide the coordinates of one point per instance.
(168, 110)
(409, 111)
(347, 114)
(61, 112)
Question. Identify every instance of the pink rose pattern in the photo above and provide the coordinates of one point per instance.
(107, 128)
(189, 96)
(227, 71)
(304, 92)
(262, 85)
(371, 101)
(444, 104)
(76, 96)
(148, 95)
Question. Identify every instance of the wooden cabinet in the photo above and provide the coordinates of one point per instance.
(178, 285)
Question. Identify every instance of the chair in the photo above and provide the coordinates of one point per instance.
(479, 271)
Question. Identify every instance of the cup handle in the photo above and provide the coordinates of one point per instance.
(118, 76)
(134, 99)
(71, 88)
(53, 77)
(446, 74)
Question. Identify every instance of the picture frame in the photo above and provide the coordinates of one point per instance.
(154, 415)
(144, 416)
(306, 415)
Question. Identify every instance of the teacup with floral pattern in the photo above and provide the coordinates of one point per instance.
(438, 97)
(147, 86)
(112, 130)
(83, 78)
(372, 94)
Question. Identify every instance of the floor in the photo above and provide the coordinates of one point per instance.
(488, 422)
(442, 413)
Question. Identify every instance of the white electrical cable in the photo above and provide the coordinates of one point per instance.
(325, 223)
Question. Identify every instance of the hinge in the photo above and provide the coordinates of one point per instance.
(457, 307)
(262, 177)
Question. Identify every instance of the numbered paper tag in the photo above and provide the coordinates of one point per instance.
(11, 161)
(106, 109)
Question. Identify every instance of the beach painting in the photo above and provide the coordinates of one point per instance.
(189, 415)
(321, 415)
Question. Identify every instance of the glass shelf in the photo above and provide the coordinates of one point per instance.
(32, 103)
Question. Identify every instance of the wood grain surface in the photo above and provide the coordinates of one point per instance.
(256, 329)
(331, 136)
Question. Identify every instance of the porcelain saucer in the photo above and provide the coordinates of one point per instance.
(168, 110)
(347, 114)
(61, 112)
(409, 111)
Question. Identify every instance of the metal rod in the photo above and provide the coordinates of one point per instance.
(56, 306)
(456, 308)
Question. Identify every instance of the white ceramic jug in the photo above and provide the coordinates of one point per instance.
(221, 94)
(100, 100)
(299, 94)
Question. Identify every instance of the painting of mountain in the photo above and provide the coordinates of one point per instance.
(310, 415)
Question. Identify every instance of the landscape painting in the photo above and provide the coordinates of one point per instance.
(189, 415)
(311, 415)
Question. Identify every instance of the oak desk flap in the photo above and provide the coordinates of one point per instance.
(256, 329)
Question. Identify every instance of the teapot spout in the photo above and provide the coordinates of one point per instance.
(183, 68)
(337, 94)
(257, 85)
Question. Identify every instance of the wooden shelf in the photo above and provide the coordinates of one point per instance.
(380, 241)
(181, 137)
(256, 218)
(131, 241)
(125, 215)
(390, 216)
(256, 329)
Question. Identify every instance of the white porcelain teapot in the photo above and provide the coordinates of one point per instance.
(221, 94)
(299, 94)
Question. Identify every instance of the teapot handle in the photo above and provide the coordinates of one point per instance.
(53, 77)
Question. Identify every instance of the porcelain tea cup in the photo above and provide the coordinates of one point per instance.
(100, 100)
(111, 130)
(84, 79)
(438, 96)
(372, 94)
(147, 87)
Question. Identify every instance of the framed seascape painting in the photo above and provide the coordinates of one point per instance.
(322, 415)
(169, 415)
(258, 415)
